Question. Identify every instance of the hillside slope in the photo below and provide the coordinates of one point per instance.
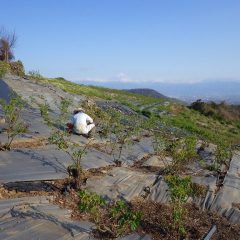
(132, 158)
(147, 92)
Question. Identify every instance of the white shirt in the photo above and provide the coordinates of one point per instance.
(80, 122)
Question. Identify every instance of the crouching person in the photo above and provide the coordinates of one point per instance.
(81, 123)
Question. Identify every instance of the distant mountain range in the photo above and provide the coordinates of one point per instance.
(228, 91)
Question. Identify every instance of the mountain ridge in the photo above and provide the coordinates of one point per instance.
(148, 92)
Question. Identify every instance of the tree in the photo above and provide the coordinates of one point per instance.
(7, 43)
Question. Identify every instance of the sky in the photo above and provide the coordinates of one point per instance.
(127, 41)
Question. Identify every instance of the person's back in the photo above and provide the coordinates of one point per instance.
(83, 123)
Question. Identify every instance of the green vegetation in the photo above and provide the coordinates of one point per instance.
(115, 219)
(44, 111)
(222, 111)
(182, 149)
(203, 127)
(176, 115)
(119, 129)
(180, 190)
(61, 138)
(35, 75)
(125, 218)
(129, 99)
(184, 152)
(4, 68)
(170, 115)
(14, 124)
(91, 203)
(64, 113)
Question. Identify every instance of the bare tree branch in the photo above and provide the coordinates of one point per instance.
(7, 43)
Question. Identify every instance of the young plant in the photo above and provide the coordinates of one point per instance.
(12, 112)
(180, 190)
(64, 113)
(183, 152)
(125, 218)
(91, 203)
(76, 152)
(163, 143)
(119, 129)
(44, 111)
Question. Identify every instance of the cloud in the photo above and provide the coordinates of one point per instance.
(125, 78)
(89, 79)
(122, 77)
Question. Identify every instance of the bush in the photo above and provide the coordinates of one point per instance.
(12, 114)
(4, 68)
(17, 68)
(35, 74)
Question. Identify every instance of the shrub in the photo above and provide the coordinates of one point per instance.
(17, 68)
(35, 74)
(4, 68)
(12, 112)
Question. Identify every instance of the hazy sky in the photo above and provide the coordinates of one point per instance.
(127, 40)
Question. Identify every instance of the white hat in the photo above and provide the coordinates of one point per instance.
(78, 110)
